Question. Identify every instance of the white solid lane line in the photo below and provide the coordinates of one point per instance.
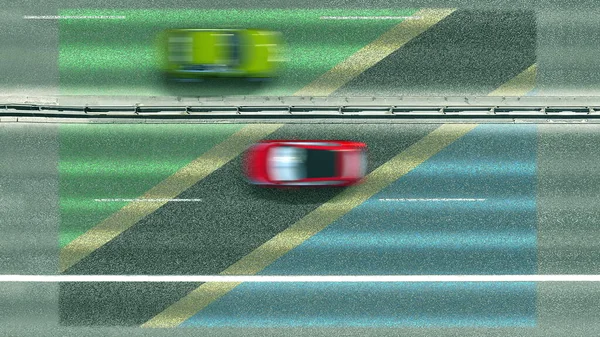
(272, 279)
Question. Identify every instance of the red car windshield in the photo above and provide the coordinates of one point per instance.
(320, 164)
(293, 163)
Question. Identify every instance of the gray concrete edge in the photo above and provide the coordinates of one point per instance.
(302, 100)
(317, 120)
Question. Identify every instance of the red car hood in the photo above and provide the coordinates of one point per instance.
(353, 164)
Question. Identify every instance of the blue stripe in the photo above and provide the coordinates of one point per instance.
(494, 163)
(372, 305)
(533, 92)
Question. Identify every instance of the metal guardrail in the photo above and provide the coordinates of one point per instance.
(293, 111)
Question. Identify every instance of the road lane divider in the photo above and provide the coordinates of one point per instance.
(434, 199)
(146, 200)
(388, 17)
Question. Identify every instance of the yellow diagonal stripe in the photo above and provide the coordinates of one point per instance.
(519, 85)
(312, 223)
(218, 156)
(374, 52)
(169, 188)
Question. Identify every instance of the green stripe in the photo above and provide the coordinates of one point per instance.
(122, 161)
(112, 55)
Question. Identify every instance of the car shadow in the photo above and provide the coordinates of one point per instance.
(214, 86)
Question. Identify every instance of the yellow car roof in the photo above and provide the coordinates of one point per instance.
(214, 47)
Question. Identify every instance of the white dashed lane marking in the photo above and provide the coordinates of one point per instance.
(146, 200)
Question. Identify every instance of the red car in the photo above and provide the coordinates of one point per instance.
(306, 163)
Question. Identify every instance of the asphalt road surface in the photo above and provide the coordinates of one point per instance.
(491, 199)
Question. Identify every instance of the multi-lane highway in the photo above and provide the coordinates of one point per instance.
(170, 199)
(440, 199)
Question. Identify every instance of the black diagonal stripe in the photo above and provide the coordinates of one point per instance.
(116, 304)
(207, 237)
(467, 53)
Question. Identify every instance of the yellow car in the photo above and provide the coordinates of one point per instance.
(199, 53)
